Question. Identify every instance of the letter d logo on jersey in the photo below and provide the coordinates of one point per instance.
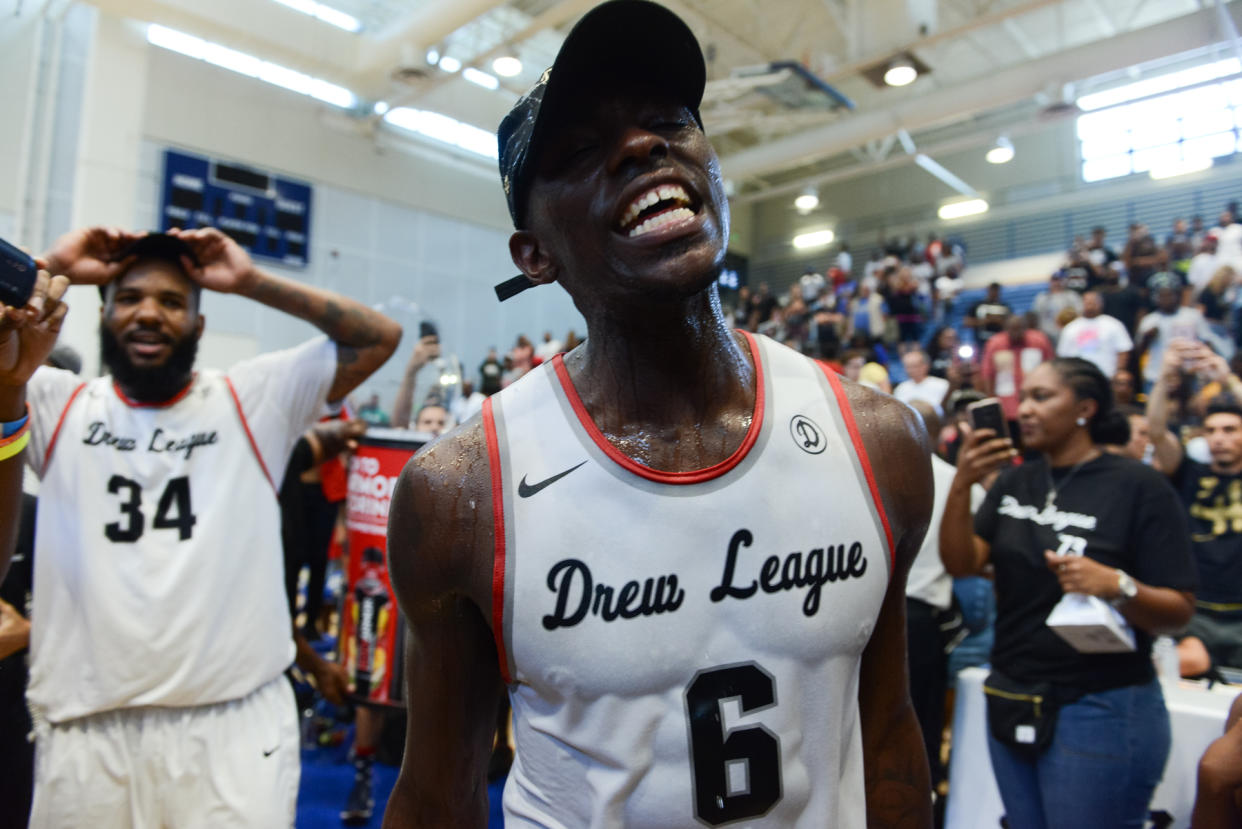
(807, 435)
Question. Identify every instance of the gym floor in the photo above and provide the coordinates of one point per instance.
(327, 777)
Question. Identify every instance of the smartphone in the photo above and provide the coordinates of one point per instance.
(988, 414)
(426, 328)
(17, 275)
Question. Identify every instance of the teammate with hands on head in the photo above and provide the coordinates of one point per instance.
(159, 611)
(1076, 739)
(610, 540)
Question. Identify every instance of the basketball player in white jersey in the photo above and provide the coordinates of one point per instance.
(680, 549)
(160, 629)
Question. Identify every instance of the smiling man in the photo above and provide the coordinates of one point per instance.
(160, 630)
(679, 548)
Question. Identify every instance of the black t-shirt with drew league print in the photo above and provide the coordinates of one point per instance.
(1214, 503)
(1115, 510)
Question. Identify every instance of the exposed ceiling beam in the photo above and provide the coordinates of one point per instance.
(996, 89)
(550, 18)
(430, 22)
(1101, 17)
(1021, 38)
(972, 141)
(980, 22)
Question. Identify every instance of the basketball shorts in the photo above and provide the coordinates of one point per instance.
(223, 766)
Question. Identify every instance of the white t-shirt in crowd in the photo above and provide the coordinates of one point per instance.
(1185, 322)
(1202, 266)
(1098, 339)
(1229, 245)
(931, 389)
(927, 580)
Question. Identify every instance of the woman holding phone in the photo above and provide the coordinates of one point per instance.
(1076, 739)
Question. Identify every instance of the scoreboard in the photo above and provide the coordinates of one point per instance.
(267, 215)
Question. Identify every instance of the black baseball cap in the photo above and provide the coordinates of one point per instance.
(629, 41)
(156, 245)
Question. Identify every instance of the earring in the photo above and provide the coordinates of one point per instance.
(1082, 421)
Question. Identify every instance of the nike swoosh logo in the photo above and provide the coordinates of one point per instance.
(270, 752)
(526, 490)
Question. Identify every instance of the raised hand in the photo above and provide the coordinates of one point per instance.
(28, 334)
(223, 265)
(90, 256)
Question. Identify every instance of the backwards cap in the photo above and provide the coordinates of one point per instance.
(622, 41)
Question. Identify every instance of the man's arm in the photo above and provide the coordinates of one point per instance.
(364, 338)
(26, 338)
(898, 783)
(1167, 447)
(428, 349)
(439, 555)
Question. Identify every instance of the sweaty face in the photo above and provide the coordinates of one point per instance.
(1048, 411)
(149, 330)
(629, 199)
(1224, 436)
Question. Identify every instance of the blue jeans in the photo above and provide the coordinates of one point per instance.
(1105, 761)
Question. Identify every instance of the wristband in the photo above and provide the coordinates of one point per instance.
(15, 445)
(12, 427)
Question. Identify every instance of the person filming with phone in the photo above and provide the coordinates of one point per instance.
(1076, 738)
(1211, 497)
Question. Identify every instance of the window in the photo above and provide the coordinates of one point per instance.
(1183, 129)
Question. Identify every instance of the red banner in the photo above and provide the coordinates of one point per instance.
(372, 628)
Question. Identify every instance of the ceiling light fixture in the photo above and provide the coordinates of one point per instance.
(433, 56)
(959, 209)
(814, 239)
(808, 201)
(480, 78)
(507, 66)
(1002, 153)
(900, 72)
(449, 64)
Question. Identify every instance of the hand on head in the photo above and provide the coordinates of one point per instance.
(89, 256)
(223, 265)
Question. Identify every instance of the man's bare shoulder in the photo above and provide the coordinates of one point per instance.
(440, 520)
(897, 446)
(885, 419)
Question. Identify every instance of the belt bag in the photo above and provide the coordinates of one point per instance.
(1022, 715)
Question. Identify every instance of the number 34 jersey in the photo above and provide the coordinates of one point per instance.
(683, 648)
(158, 574)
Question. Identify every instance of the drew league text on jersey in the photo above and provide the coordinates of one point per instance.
(577, 593)
(160, 442)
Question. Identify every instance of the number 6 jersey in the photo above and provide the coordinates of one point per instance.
(159, 579)
(683, 648)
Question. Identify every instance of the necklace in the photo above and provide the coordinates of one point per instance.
(1052, 486)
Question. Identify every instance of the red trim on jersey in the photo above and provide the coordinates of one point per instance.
(162, 404)
(245, 425)
(696, 476)
(51, 444)
(847, 414)
(498, 533)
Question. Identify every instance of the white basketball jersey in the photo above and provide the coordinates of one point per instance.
(684, 648)
(158, 575)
